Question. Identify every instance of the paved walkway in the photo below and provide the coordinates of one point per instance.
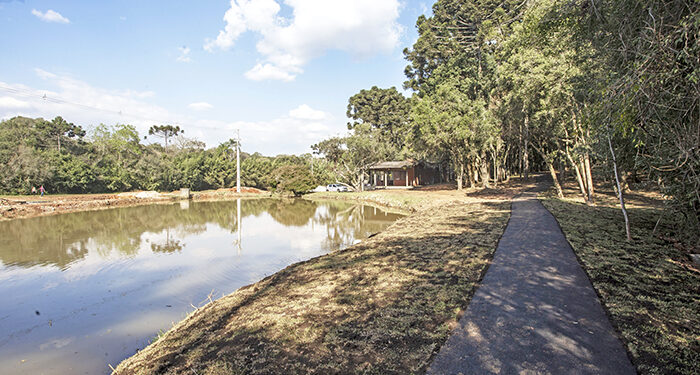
(535, 311)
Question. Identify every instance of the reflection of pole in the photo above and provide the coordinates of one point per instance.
(238, 221)
(238, 164)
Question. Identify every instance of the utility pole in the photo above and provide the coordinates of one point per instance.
(238, 161)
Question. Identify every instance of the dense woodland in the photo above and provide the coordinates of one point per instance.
(591, 90)
(596, 90)
(65, 158)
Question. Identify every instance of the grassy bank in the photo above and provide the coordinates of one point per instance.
(429, 196)
(649, 287)
(384, 306)
(405, 200)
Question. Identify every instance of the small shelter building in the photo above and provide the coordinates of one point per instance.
(406, 173)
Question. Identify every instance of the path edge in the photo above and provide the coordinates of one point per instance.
(616, 329)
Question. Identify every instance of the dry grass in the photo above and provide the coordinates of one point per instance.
(384, 306)
(649, 287)
(430, 196)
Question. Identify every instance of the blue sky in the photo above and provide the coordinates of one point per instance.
(281, 71)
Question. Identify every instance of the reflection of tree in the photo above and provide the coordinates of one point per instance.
(63, 239)
(170, 245)
(344, 223)
(293, 212)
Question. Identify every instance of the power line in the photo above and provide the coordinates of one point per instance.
(24, 93)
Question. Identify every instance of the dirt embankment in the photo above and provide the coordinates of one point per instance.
(17, 207)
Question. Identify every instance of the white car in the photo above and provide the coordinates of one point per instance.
(336, 187)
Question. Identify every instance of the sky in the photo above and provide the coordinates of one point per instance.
(280, 71)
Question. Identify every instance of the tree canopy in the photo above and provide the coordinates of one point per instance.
(165, 131)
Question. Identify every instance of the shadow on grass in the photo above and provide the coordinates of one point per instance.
(649, 287)
(383, 306)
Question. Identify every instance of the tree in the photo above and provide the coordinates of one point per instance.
(58, 127)
(455, 57)
(294, 178)
(448, 121)
(384, 110)
(118, 151)
(352, 155)
(165, 132)
(650, 51)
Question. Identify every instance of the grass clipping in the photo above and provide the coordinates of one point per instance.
(384, 306)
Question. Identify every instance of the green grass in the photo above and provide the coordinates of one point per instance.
(649, 287)
(384, 306)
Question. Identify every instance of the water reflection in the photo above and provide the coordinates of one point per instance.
(61, 240)
(82, 290)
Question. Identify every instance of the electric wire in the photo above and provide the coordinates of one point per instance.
(24, 93)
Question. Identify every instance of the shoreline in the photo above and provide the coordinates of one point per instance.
(25, 207)
(385, 305)
(343, 312)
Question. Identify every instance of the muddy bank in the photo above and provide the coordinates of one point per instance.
(17, 207)
(385, 305)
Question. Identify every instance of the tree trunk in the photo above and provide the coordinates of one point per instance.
(555, 180)
(619, 191)
(520, 151)
(495, 168)
(470, 174)
(526, 161)
(589, 177)
(579, 179)
(460, 177)
(485, 171)
(562, 171)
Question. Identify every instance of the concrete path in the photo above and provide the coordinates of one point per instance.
(535, 311)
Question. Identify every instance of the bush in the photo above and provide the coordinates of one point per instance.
(293, 178)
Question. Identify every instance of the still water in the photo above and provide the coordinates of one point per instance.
(84, 290)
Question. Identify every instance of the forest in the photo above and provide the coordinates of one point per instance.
(65, 158)
(591, 90)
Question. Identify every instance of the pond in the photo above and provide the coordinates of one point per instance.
(83, 291)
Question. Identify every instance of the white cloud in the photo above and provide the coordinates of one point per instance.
(138, 94)
(255, 15)
(184, 54)
(200, 106)
(9, 102)
(304, 112)
(50, 16)
(359, 27)
(86, 105)
(284, 135)
(81, 103)
(262, 72)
